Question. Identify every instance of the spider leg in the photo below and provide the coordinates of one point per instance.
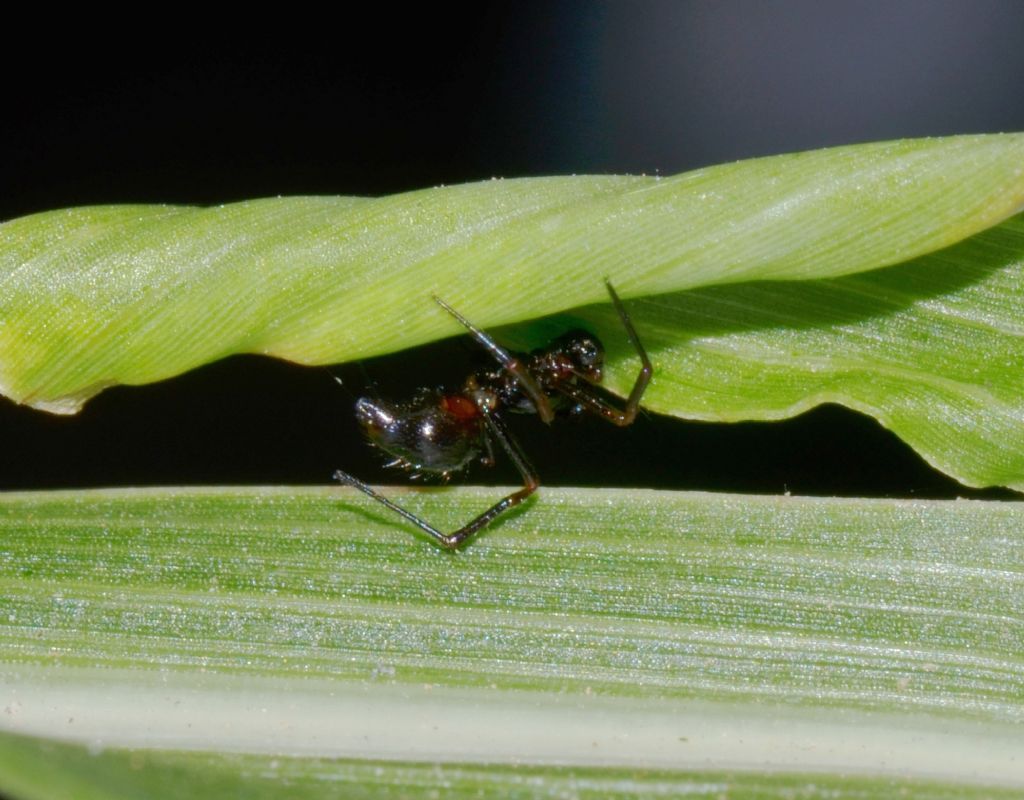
(540, 400)
(451, 541)
(488, 458)
(585, 395)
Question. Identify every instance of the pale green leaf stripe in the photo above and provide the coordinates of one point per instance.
(932, 348)
(634, 629)
(91, 297)
(27, 772)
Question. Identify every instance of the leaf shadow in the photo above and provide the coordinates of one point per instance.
(741, 308)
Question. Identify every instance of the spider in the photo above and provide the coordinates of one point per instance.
(441, 432)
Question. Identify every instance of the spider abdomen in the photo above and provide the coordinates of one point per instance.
(433, 432)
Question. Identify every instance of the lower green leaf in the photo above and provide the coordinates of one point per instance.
(28, 766)
(687, 639)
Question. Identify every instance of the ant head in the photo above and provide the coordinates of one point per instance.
(430, 433)
(585, 351)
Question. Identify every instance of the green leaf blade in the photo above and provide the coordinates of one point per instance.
(844, 637)
(932, 348)
(119, 774)
(95, 297)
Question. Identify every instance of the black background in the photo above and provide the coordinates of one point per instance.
(186, 110)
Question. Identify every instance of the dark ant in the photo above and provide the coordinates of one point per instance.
(441, 432)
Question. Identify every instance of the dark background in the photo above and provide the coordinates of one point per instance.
(172, 110)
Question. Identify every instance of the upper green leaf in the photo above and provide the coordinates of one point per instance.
(784, 307)
(92, 297)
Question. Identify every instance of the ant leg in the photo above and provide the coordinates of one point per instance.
(540, 400)
(585, 395)
(452, 541)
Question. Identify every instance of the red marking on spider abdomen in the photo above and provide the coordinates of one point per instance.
(460, 407)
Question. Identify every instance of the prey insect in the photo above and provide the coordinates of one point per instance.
(441, 432)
